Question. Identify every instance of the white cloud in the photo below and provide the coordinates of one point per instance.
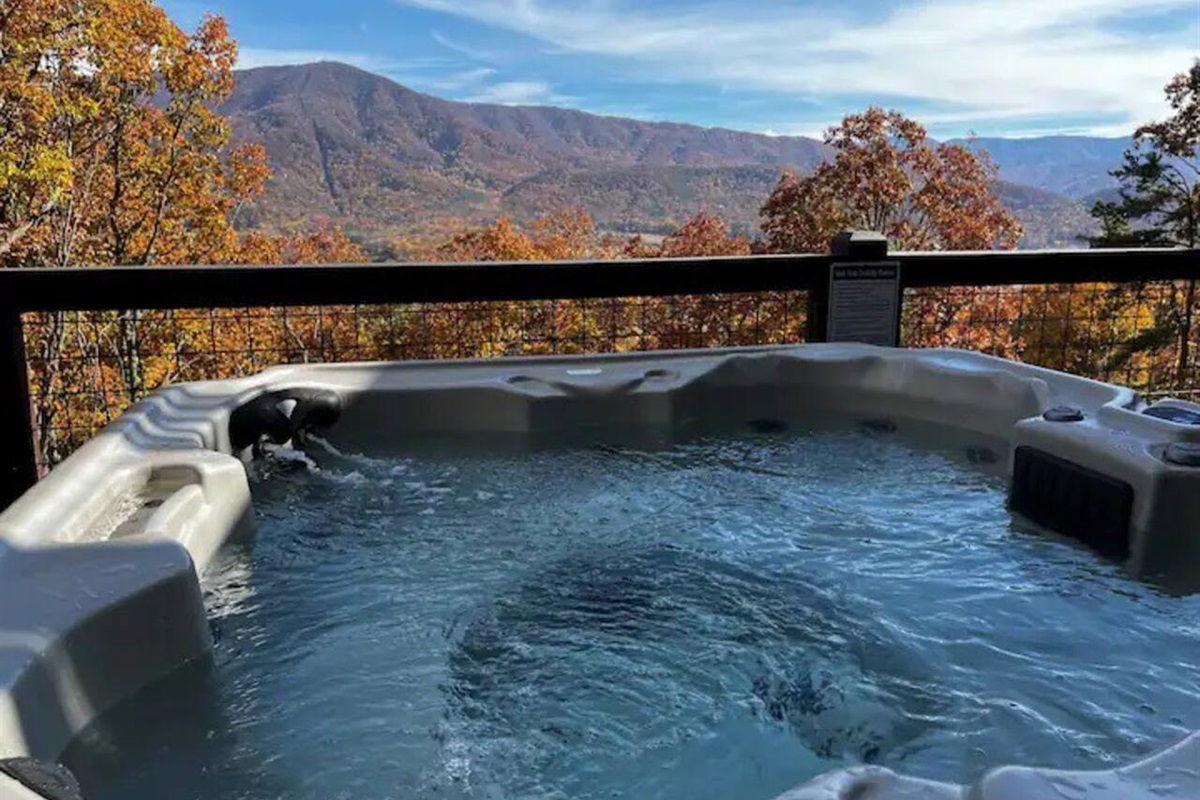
(1001, 60)
(1119, 131)
(473, 53)
(516, 93)
(812, 130)
(457, 81)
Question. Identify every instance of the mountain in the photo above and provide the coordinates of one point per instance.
(1050, 220)
(1074, 166)
(367, 152)
(382, 160)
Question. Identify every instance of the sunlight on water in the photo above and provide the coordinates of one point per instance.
(721, 618)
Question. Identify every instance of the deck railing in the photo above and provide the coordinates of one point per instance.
(78, 345)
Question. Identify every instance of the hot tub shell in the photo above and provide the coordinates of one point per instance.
(99, 562)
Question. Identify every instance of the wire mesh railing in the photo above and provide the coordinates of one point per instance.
(85, 368)
(1144, 334)
(1129, 317)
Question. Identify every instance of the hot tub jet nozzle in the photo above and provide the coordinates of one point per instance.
(282, 416)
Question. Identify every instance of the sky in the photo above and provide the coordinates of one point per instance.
(785, 67)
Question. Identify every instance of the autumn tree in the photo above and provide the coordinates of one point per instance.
(703, 234)
(1159, 197)
(564, 234)
(112, 153)
(39, 104)
(325, 245)
(887, 176)
(1158, 205)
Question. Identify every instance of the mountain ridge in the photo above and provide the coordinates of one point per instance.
(378, 158)
(1073, 166)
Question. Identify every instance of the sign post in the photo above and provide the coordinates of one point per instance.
(864, 303)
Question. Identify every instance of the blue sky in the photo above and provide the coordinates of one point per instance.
(992, 67)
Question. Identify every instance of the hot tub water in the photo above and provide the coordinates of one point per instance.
(723, 617)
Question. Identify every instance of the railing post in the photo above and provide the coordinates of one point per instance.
(18, 467)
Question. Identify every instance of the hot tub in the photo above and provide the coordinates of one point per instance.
(773, 502)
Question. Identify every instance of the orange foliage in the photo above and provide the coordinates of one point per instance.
(886, 176)
(323, 246)
(114, 154)
(569, 234)
(111, 153)
(703, 234)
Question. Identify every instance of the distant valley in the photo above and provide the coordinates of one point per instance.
(363, 152)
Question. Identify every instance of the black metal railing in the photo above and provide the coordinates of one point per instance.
(74, 352)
